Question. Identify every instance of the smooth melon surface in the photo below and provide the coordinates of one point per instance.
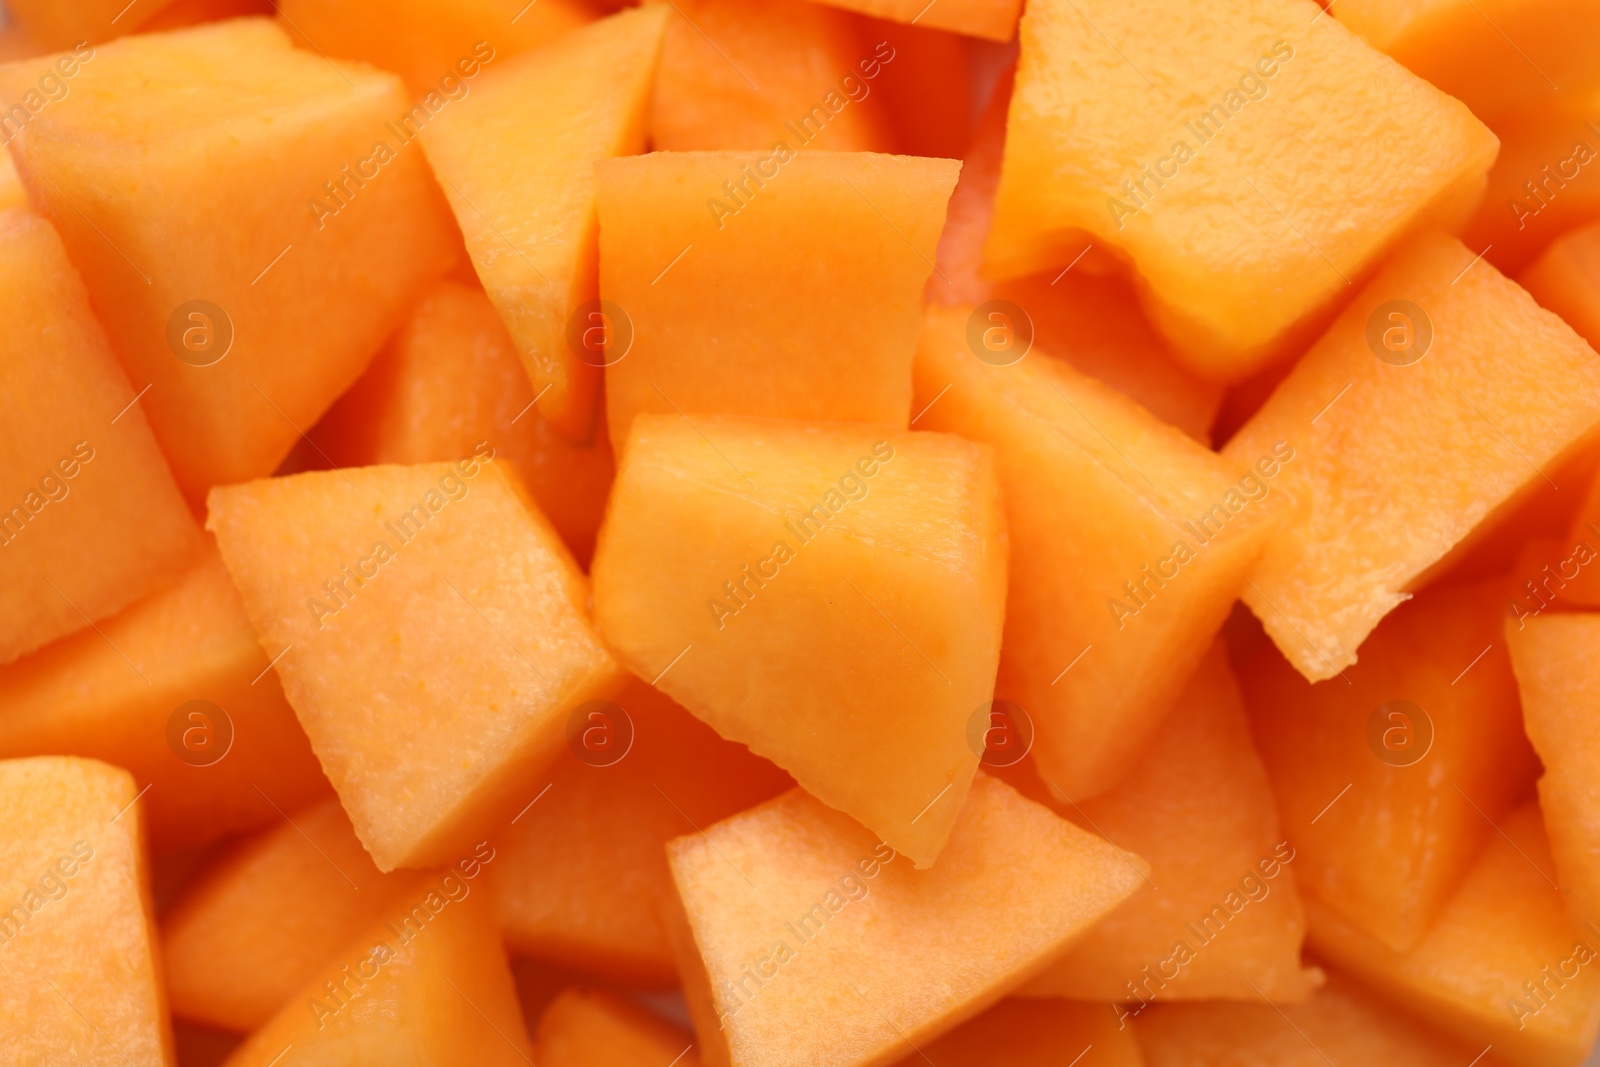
(581, 1028)
(1022, 1033)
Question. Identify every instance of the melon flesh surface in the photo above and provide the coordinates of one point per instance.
(582, 1028)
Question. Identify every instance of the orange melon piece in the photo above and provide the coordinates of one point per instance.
(994, 20)
(436, 47)
(582, 1028)
(804, 940)
(122, 693)
(451, 379)
(1207, 193)
(1546, 576)
(1413, 786)
(798, 307)
(81, 980)
(926, 87)
(1102, 631)
(743, 74)
(857, 665)
(1442, 361)
(1220, 917)
(1566, 279)
(1024, 1033)
(90, 518)
(517, 160)
(247, 341)
(582, 870)
(1583, 588)
(428, 983)
(432, 635)
(55, 26)
(257, 923)
(12, 193)
(1499, 966)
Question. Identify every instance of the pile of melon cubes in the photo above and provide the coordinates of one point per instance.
(759, 533)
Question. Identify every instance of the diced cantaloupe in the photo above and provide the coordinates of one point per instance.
(90, 518)
(583, 1028)
(1440, 393)
(1546, 577)
(79, 971)
(247, 306)
(1030, 1033)
(744, 74)
(1104, 621)
(804, 940)
(12, 192)
(994, 20)
(581, 872)
(926, 87)
(517, 161)
(1582, 544)
(1220, 916)
(431, 633)
(1385, 775)
(1566, 279)
(54, 25)
(1501, 965)
(428, 983)
(122, 693)
(829, 594)
(1238, 235)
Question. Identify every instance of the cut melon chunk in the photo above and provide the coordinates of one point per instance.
(927, 87)
(742, 303)
(1566, 280)
(246, 306)
(12, 192)
(1022, 1033)
(1176, 133)
(995, 20)
(804, 940)
(1446, 363)
(1102, 628)
(516, 159)
(90, 518)
(54, 25)
(79, 975)
(829, 594)
(581, 1028)
(432, 635)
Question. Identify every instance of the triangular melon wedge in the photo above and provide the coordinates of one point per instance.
(582, 1028)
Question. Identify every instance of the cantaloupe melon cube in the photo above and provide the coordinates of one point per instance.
(1566, 280)
(803, 940)
(118, 693)
(1177, 133)
(450, 379)
(257, 923)
(1578, 551)
(927, 87)
(1440, 392)
(995, 20)
(1500, 966)
(1025, 1033)
(426, 984)
(53, 25)
(78, 970)
(1220, 917)
(742, 303)
(517, 159)
(432, 636)
(434, 46)
(582, 1028)
(582, 871)
(90, 518)
(743, 74)
(12, 193)
(1102, 629)
(1418, 742)
(829, 594)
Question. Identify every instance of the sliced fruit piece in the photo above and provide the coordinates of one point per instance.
(1566, 279)
(176, 690)
(926, 87)
(431, 632)
(1028, 1033)
(517, 160)
(582, 1028)
(1102, 631)
(1206, 193)
(1582, 588)
(245, 339)
(90, 518)
(792, 913)
(79, 976)
(581, 871)
(12, 194)
(56, 26)
(995, 20)
(829, 594)
(1446, 363)
(801, 306)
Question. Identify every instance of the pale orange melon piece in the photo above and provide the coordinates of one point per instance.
(582, 1028)
(1566, 279)
(829, 594)
(159, 150)
(1023, 1033)
(582, 870)
(1104, 623)
(90, 518)
(757, 283)
(1238, 235)
(1500, 966)
(122, 693)
(995, 20)
(432, 635)
(12, 194)
(517, 161)
(428, 983)
(804, 940)
(1408, 450)
(79, 973)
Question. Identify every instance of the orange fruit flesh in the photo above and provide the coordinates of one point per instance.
(1024, 1033)
(581, 1028)
(994, 20)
